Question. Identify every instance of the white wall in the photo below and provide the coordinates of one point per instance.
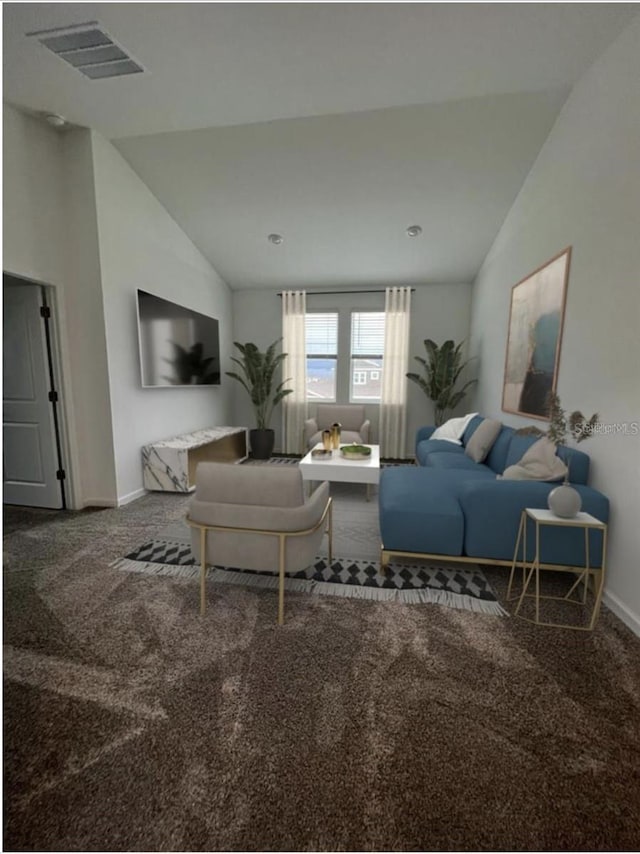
(33, 193)
(142, 247)
(84, 327)
(77, 218)
(584, 191)
(257, 317)
(50, 236)
(439, 311)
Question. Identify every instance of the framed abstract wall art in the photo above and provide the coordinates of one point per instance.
(535, 336)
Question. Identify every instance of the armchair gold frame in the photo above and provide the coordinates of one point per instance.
(327, 516)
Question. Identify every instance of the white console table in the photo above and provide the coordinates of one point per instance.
(170, 465)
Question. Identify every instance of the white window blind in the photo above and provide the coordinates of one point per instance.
(367, 351)
(321, 331)
(367, 333)
(321, 334)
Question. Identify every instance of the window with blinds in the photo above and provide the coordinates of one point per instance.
(321, 332)
(367, 351)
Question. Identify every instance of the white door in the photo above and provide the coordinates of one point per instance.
(30, 454)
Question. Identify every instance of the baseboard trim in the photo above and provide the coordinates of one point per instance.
(132, 496)
(620, 610)
(98, 502)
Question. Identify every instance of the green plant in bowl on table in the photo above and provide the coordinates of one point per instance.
(355, 451)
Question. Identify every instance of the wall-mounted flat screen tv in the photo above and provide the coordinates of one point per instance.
(178, 346)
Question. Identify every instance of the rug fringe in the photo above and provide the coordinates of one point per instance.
(265, 581)
(451, 600)
(357, 591)
(409, 597)
(268, 582)
(150, 568)
(354, 591)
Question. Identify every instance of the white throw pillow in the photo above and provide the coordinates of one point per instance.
(538, 463)
(453, 429)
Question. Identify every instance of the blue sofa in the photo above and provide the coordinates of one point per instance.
(450, 506)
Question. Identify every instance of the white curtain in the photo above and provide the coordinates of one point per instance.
(294, 368)
(393, 400)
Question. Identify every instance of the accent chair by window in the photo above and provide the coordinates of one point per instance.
(355, 426)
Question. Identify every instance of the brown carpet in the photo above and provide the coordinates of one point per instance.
(133, 724)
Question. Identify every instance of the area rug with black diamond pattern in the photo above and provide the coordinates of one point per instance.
(411, 583)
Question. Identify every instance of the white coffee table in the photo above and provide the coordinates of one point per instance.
(340, 469)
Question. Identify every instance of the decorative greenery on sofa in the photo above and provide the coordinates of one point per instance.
(562, 428)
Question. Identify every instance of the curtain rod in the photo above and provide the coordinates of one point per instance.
(320, 293)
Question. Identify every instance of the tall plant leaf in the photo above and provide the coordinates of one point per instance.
(442, 369)
(257, 375)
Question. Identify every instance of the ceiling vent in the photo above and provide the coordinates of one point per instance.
(89, 49)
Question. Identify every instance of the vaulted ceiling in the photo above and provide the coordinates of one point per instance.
(334, 125)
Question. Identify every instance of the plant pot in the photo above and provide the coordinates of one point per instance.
(564, 501)
(262, 442)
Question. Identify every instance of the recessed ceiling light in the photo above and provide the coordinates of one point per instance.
(275, 238)
(55, 120)
(414, 231)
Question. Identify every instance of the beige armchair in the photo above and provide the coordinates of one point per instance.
(256, 517)
(355, 426)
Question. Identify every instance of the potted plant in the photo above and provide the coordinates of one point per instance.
(564, 500)
(258, 378)
(442, 368)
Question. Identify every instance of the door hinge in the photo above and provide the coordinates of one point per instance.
(45, 311)
(53, 396)
(61, 474)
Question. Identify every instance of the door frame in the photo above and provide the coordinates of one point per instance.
(63, 388)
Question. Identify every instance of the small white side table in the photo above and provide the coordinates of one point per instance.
(584, 573)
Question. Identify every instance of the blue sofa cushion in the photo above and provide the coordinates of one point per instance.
(424, 433)
(458, 461)
(492, 517)
(578, 463)
(429, 446)
(518, 448)
(497, 456)
(418, 513)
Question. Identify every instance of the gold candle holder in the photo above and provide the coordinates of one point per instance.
(326, 440)
(335, 435)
